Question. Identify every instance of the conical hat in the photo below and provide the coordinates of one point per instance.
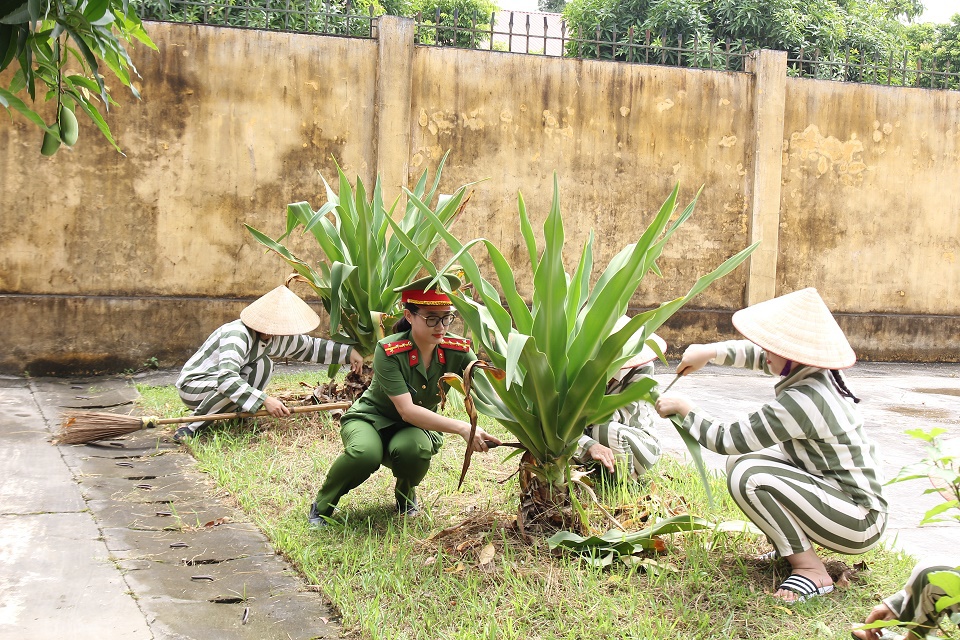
(797, 326)
(647, 354)
(280, 312)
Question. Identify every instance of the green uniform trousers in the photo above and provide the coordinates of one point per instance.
(405, 449)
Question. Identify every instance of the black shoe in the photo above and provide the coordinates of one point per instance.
(409, 510)
(315, 520)
(181, 434)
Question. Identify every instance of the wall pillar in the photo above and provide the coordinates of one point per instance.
(769, 69)
(395, 46)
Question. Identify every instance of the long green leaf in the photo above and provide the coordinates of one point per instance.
(550, 293)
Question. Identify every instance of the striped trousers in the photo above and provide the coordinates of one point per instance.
(793, 507)
(204, 398)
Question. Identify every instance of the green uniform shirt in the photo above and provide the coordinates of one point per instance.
(397, 369)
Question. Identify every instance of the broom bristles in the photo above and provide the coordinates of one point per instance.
(87, 426)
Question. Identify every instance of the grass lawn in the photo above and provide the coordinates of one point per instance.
(393, 578)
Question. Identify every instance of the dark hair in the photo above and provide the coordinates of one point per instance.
(403, 324)
(842, 386)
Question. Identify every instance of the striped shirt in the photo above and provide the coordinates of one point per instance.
(637, 415)
(817, 428)
(216, 365)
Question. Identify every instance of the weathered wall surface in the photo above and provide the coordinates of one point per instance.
(619, 137)
(107, 261)
(870, 211)
(233, 125)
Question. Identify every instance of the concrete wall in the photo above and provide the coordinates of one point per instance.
(870, 212)
(107, 261)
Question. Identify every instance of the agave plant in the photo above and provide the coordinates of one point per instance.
(557, 353)
(363, 262)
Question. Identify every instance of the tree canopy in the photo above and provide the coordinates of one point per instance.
(827, 29)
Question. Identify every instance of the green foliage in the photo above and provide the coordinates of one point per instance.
(862, 32)
(941, 466)
(363, 263)
(935, 47)
(453, 22)
(340, 17)
(61, 48)
(551, 6)
(621, 543)
(558, 352)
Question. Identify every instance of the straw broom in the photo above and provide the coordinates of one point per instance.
(88, 426)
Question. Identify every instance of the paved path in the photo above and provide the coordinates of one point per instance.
(91, 536)
(109, 541)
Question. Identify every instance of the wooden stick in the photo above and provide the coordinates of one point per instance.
(329, 406)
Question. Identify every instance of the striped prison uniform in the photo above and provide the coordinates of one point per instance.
(629, 432)
(823, 484)
(917, 602)
(232, 368)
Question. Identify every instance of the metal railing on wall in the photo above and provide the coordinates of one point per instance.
(549, 35)
(299, 16)
(857, 67)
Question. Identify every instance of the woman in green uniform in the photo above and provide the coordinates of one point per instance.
(394, 423)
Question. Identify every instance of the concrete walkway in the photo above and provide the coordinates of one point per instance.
(127, 539)
(109, 541)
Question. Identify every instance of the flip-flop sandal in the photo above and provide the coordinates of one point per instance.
(804, 587)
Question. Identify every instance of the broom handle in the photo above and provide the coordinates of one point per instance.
(330, 406)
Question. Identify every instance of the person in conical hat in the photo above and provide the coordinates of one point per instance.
(232, 368)
(394, 423)
(822, 482)
(628, 439)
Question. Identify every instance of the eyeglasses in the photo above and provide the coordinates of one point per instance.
(433, 321)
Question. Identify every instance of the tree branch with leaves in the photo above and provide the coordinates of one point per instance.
(60, 49)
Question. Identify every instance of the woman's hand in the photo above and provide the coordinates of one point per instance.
(603, 455)
(481, 439)
(696, 357)
(879, 612)
(275, 407)
(356, 362)
(673, 405)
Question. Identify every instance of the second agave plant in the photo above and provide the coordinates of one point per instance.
(363, 262)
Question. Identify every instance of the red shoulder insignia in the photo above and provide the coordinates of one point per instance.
(400, 346)
(457, 344)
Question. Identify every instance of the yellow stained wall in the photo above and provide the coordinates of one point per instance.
(109, 260)
(619, 137)
(233, 125)
(870, 208)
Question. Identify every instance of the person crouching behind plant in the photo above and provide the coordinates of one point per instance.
(629, 436)
(232, 368)
(916, 603)
(823, 484)
(394, 423)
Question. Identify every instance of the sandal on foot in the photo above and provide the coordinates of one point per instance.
(804, 587)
